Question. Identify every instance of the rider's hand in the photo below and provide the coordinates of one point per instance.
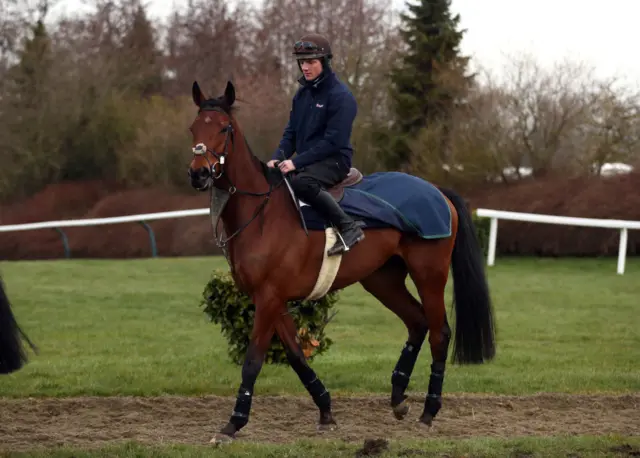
(286, 166)
(272, 163)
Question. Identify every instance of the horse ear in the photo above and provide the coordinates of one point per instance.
(197, 95)
(230, 93)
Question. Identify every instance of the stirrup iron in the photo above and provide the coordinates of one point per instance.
(339, 235)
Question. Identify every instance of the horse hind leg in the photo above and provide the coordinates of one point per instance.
(428, 268)
(387, 285)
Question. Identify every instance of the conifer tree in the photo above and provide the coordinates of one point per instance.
(30, 73)
(141, 60)
(429, 78)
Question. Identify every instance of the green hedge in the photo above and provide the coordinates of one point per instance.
(234, 312)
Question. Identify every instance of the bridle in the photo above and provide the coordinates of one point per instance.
(202, 149)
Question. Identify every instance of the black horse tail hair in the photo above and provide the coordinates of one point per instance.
(474, 330)
(12, 353)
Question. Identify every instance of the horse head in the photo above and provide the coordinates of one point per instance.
(212, 137)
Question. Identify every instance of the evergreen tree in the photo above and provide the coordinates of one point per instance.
(428, 80)
(140, 58)
(31, 72)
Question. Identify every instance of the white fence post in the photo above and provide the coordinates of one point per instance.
(622, 249)
(495, 215)
(493, 240)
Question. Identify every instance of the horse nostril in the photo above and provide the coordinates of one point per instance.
(203, 172)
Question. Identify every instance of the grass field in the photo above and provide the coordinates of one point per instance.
(584, 447)
(111, 328)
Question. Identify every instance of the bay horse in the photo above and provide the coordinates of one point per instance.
(274, 259)
(12, 354)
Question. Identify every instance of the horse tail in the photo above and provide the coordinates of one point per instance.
(474, 329)
(12, 353)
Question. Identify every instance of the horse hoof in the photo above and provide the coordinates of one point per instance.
(427, 419)
(221, 439)
(327, 426)
(401, 410)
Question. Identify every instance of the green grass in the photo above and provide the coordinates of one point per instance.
(134, 327)
(582, 446)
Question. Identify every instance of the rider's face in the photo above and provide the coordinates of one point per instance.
(311, 68)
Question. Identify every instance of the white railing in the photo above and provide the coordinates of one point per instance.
(141, 219)
(495, 215)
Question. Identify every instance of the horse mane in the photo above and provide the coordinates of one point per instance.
(273, 176)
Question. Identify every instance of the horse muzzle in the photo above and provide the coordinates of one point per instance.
(201, 178)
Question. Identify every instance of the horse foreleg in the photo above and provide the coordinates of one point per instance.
(286, 329)
(263, 330)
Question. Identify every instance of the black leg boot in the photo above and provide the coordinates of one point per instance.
(350, 230)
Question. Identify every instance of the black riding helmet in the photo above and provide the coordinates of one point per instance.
(313, 46)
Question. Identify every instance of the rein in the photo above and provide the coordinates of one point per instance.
(200, 150)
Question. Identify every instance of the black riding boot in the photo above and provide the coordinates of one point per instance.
(350, 230)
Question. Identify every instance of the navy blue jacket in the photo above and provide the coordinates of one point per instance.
(320, 123)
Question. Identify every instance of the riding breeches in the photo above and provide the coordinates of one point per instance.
(324, 174)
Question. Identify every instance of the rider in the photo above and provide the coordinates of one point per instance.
(319, 131)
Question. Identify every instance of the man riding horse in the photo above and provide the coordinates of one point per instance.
(319, 132)
(424, 232)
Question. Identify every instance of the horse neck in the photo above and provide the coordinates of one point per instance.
(246, 175)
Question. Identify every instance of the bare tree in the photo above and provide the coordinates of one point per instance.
(561, 120)
(612, 131)
(546, 107)
(208, 41)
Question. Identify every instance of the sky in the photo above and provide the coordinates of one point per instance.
(604, 35)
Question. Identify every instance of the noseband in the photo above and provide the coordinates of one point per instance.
(201, 150)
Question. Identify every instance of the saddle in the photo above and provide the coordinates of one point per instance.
(353, 177)
(336, 191)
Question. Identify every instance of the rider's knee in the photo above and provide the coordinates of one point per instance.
(305, 188)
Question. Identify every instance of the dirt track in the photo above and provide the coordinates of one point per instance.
(95, 421)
